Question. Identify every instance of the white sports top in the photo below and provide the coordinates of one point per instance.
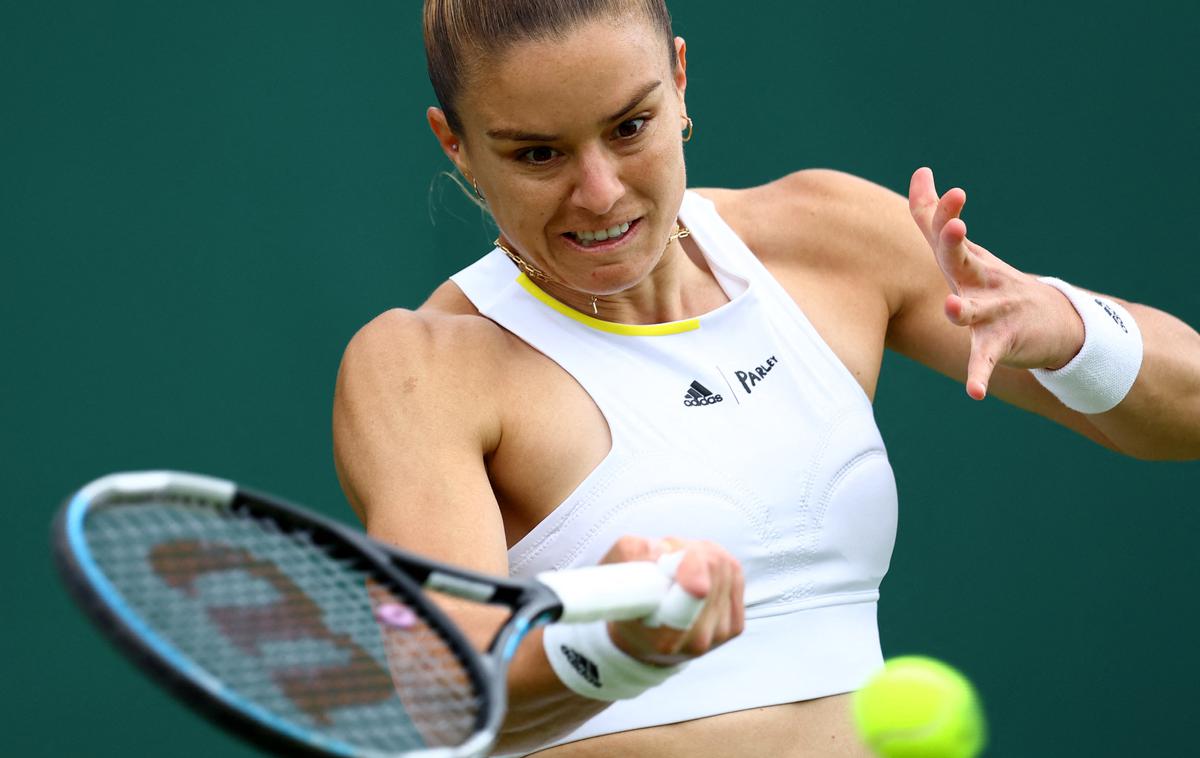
(742, 427)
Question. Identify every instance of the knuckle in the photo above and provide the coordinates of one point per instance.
(629, 545)
(698, 644)
(665, 644)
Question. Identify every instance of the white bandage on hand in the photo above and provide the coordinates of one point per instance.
(1100, 376)
(590, 664)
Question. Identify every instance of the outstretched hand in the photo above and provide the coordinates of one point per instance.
(1014, 319)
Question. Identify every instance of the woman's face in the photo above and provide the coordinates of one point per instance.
(578, 136)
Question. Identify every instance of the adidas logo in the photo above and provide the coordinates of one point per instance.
(582, 665)
(698, 395)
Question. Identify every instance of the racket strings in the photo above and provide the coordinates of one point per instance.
(296, 632)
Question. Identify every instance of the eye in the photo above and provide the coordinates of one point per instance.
(631, 128)
(538, 156)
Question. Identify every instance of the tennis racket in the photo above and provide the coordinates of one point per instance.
(308, 638)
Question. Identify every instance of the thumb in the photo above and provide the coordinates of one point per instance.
(985, 354)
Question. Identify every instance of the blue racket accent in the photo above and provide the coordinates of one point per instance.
(521, 628)
(75, 513)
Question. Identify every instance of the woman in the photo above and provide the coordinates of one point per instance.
(638, 368)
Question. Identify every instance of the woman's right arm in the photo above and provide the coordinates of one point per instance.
(415, 417)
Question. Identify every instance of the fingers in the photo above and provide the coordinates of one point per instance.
(632, 548)
(923, 200)
(696, 573)
(705, 571)
(965, 311)
(949, 207)
(988, 345)
(930, 212)
(938, 219)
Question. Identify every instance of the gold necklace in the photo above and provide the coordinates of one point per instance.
(680, 232)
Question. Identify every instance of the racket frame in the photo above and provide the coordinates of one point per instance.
(531, 603)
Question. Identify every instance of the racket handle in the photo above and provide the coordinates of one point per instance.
(679, 608)
(622, 591)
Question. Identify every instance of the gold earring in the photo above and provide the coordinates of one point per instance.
(690, 126)
(475, 186)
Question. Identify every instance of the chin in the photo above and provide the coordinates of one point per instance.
(612, 278)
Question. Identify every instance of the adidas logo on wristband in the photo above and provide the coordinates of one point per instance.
(583, 665)
(589, 664)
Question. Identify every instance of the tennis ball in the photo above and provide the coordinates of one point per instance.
(918, 707)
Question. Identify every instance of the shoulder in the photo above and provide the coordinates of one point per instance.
(441, 360)
(446, 325)
(824, 219)
(401, 338)
(441, 351)
(427, 372)
(835, 210)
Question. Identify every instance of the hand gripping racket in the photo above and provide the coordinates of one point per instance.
(304, 636)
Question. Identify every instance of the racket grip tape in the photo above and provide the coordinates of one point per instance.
(679, 608)
(623, 591)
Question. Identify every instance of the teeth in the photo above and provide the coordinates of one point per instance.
(602, 234)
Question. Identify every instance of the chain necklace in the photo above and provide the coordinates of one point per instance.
(537, 274)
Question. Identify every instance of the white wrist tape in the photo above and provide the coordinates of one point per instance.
(587, 661)
(1100, 376)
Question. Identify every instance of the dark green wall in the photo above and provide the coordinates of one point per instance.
(201, 201)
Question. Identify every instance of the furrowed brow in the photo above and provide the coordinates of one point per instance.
(641, 95)
(516, 135)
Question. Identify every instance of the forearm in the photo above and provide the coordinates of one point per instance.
(1160, 417)
(541, 708)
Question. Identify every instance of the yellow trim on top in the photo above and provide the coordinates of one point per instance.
(629, 330)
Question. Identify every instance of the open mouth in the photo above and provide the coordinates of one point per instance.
(603, 238)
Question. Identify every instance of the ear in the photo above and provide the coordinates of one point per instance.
(450, 142)
(680, 67)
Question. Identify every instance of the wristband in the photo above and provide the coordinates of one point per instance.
(1100, 376)
(588, 662)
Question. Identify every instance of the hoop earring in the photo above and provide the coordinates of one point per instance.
(690, 127)
(478, 194)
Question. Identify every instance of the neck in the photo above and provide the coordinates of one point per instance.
(680, 286)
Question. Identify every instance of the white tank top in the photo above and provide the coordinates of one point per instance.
(742, 427)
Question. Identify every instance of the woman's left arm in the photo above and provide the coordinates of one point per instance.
(996, 322)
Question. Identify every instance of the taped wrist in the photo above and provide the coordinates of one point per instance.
(588, 662)
(1101, 375)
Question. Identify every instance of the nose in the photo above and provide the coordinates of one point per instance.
(598, 184)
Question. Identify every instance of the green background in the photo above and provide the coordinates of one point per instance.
(200, 202)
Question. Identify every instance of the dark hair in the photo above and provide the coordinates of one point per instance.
(459, 34)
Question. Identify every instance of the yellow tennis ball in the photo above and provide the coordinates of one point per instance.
(918, 707)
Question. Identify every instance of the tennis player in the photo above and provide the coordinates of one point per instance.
(640, 368)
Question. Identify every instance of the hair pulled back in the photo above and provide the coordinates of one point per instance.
(460, 34)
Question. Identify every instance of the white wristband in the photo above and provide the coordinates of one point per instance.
(587, 661)
(1100, 376)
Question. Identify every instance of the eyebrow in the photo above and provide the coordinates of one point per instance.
(516, 135)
